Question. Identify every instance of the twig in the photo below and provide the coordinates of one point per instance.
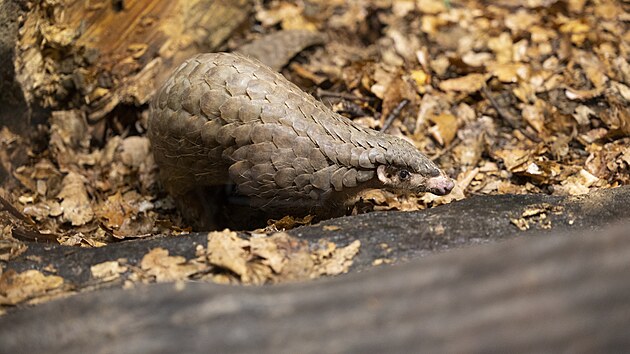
(13, 211)
(394, 113)
(353, 109)
(508, 116)
(454, 143)
(22, 233)
(346, 96)
(33, 235)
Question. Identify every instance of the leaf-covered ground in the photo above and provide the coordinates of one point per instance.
(507, 96)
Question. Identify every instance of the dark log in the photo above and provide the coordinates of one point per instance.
(568, 293)
(392, 236)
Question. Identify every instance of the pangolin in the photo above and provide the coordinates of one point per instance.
(226, 119)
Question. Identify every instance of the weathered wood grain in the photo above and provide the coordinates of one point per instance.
(568, 293)
(101, 54)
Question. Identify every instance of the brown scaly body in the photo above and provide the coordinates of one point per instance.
(223, 118)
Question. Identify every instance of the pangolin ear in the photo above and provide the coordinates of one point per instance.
(383, 175)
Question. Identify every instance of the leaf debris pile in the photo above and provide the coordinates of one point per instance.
(536, 215)
(30, 286)
(226, 258)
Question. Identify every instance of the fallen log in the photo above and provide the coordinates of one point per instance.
(386, 237)
(100, 55)
(551, 294)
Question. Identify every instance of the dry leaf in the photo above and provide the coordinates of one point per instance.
(534, 115)
(445, 128)
(19, 287)
(134, 151)
(513, 158)
(226, 250)
(290, 222)
(582, 114)
(75, 202)
(334, 261)
(107, 271)
(577, 184)
(469, 83)
(267, 249)
(510, 73)
(158, 264)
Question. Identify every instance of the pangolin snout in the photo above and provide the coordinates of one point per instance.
(440, 185)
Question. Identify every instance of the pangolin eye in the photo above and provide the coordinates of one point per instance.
(404, 174)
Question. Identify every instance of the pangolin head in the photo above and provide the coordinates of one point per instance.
(408, 170)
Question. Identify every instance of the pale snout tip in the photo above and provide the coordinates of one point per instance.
(440, 185)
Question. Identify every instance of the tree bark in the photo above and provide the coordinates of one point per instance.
(14, 110)
(97, 55)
